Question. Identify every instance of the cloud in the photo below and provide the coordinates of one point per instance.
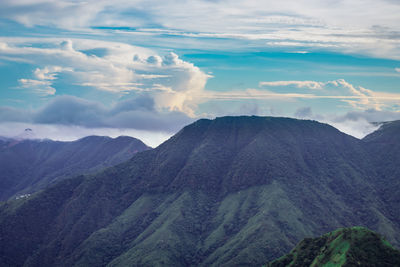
(184, 82)
(63, 13)
(69, 118)
(355, 123)
(41, 87)
(357, 128)
(169, 80)
(137, 113)
(356, 96)
(44, 80)
(310, 38)
(347, 26)
(14, 121)
(73, 132)
(370, 115)
(367, 99)
(298, 84)
(49, 73)
(9, 114)
(68, 110)
(304, 112)
(360, 123)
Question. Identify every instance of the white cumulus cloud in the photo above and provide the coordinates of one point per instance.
(171, 81)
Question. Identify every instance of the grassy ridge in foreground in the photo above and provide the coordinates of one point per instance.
(356, 246)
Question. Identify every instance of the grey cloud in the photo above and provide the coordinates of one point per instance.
(249, 108)
(370, 115)
(8, 114)
(136, 113)
(143, 102)
(141, 111)
(98, 52)
(170, 59)
(137, 119)
(154, 60)
(304, 112)
(69, 110)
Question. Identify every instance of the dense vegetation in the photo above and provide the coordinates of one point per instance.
(29, 165)
(234, 191)
(346, 247)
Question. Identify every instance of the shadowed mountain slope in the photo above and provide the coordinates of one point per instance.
(384, 147)
(29, 165)
(356, 246)
(231, 191)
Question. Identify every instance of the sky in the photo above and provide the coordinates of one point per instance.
(72, 68)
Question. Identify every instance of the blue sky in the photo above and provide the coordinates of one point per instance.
(146, 68)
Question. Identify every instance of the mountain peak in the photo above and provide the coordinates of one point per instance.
(229, 153)
(254, 124)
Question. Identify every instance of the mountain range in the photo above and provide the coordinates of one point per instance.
(30, 165)
(234, 191)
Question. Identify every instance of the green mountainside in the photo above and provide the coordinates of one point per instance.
(234, 191)
(30, 165)
(345, 247)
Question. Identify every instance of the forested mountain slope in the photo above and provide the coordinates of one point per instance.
(29, 165)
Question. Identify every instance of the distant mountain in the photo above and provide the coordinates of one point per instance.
(356, 246)
(234, 191)
(29, 165)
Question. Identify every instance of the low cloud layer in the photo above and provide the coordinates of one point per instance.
(73, 132)
(138, 113)
(355, 123)
(70, 118)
